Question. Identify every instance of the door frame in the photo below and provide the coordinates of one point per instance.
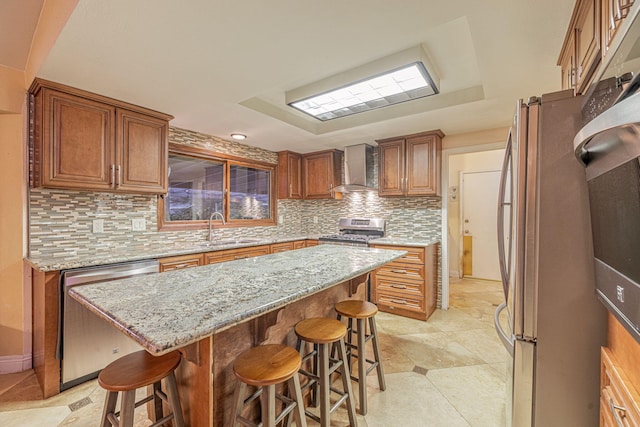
(444, 243)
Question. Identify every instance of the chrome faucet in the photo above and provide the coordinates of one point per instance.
(211, 224)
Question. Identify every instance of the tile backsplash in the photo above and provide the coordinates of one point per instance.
(61, 221)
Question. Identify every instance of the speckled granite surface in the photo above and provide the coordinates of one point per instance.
(403, 241)
(165, 311)
(135, 253)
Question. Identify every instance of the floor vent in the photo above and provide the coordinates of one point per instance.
(420, 370)
(80, 404)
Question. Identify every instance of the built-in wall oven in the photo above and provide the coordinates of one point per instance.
(609, 147)
(87, 343)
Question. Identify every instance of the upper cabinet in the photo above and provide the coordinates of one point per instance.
(321, 172)
(289, 175)
(593, 26)
(85, 141)
(410, 165)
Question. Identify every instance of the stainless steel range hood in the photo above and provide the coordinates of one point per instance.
(358, 169)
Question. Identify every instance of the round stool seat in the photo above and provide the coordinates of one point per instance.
(320, 330)
(137, 370)
(267, 364)
(356, 309)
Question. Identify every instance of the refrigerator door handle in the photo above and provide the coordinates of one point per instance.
(507, 341)
(501, 204)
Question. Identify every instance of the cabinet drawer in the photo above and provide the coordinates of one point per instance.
(234, 254)
(405, 302)
(618, 398)
(413, 256)
(299, 244)
(281, 247)
(180, 262)
(402, 272)
(400, 288)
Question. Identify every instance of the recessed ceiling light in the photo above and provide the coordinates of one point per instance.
(238, 136)
(401, 84)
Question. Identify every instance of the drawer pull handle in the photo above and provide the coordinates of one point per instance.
(399, 271)
(614, 410)
(182, 266)
(399, 286)
(399, 301)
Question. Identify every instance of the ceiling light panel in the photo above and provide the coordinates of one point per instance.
(402, 84)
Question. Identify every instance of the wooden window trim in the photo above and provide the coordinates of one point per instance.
(228, 160)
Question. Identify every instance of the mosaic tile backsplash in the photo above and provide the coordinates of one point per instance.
(61, 221)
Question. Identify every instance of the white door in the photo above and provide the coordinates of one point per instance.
(479, 211)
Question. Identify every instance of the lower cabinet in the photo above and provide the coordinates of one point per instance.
(180, 262)
(311, 242)
(233, 254)
(407, 286)
(281, 247)
(619, 399)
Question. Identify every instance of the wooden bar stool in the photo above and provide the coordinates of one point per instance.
(323, 333)
(361, 311)
(132, 372)
(264, 367)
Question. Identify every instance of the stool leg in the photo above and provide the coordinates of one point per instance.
(325, 404)
(109, 407)
(349, 339)
(362, 366)
(376, 353)
(237, 403)
(174, 400)
(268, 404)
(346, 384)
(127, 405)
(294, 387)
(157, 402)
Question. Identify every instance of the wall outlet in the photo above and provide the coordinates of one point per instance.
(315, 219)
(138, 224)
(280, 219)
(98, 225)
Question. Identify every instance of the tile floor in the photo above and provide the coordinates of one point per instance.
(448, 371)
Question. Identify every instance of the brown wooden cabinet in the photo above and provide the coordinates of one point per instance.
(281, 247)
(410, 165)
(180, 262)
(407, 286)
(311, 242)
(234, 254)
(613, 12)
(289, 175)
(321, 172)
(86, 141)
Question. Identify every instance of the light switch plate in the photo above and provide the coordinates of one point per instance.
(98, 225)
(138, 224)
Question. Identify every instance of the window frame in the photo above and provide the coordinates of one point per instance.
(227, 160)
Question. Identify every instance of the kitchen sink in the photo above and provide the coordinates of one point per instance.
(224, 242)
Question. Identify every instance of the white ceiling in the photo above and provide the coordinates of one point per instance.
(223, 66)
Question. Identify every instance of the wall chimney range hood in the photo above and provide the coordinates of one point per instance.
(358, 169)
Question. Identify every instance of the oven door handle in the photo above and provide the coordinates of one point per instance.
(598, 136)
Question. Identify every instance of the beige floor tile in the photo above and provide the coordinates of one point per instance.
(37, 417)
(481, 343)
(411, 401)
(477, 392)
(436, 351)
(454, 319)
(391, 324)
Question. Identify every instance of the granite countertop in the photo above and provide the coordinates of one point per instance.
(165, 311)
(405, 241)
(104, 256)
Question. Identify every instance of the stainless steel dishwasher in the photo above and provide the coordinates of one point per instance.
(87, 343)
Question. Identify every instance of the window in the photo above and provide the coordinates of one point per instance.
(201, 183)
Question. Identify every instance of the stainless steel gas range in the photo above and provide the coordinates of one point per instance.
(356, 232)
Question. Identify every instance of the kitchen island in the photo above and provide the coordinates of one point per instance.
(214, 312)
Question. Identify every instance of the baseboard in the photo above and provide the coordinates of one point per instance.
(15, 363)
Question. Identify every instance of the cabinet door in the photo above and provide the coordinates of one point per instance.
(321, 173)
(289, 175)
(423, 166)
(587, 39)
(568, 63)
(391, 170)
(235, 254)
(180, 262)
(77, 142)
(143, 153)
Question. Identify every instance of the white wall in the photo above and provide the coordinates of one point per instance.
(467, 162)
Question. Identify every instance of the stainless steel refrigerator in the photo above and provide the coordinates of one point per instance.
(551, 322)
